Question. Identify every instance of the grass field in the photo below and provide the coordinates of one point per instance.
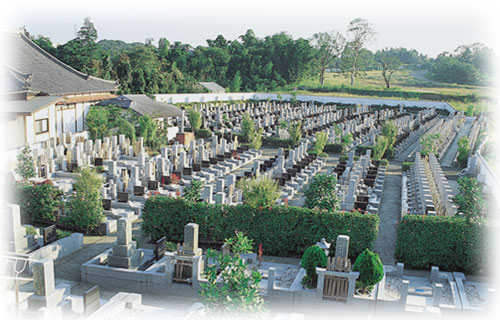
(402, 80)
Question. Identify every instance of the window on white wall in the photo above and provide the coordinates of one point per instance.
(41, 126)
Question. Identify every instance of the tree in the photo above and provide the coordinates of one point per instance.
(321, 193)
(429, 144)
(463, 151)
(295, 132)
(194, 118)
(313, 257)
(38, 203)
(231, 290)
(259, 192)
(249, 134)
(329, 46)
(125, 127)
(123, 71)
(240, 244)
(320, 143)
(470, 199)
(192, 191)
(361, 33)
(25, 167)
(389, 63)
(87, 33)
(147, 129)
(235, 85)
(86, 205)
(370, 268)
(138, 83)
(97, 121)
(380, 147)
(390, 130)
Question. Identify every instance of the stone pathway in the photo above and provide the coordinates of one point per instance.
(449, 155)
(389, 213)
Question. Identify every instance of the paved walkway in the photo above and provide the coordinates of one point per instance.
(449, 155)
(389, 213)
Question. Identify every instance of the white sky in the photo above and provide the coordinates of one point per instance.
(428, 26)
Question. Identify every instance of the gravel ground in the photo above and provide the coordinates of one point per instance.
(392, 290)
(287, 278)
(473, 296)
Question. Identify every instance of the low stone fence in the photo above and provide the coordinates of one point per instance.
(57, 250)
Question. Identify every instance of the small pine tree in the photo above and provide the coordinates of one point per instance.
(370, 268)
(321, 193)
(25, 167)
(312, 258)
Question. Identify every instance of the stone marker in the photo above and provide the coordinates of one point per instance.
(91, 300)
(191, 239)
(342, 246)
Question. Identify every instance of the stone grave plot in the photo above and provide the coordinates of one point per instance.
(363, 122)
(426, 190)
(360, 183)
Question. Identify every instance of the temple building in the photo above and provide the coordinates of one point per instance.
(41, 97)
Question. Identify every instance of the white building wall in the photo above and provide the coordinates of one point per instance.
(209, 97)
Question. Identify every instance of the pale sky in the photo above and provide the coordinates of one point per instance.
(428, 26)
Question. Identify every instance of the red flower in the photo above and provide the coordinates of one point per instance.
(260, 208)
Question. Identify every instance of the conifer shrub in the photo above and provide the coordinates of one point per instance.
(312, 258)
(370, 268)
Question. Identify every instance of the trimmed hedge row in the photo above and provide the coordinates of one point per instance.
(277, 142)
(282, 230)
(396, 93)
(451, 243)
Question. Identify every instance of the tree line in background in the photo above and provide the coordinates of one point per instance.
(250, 63)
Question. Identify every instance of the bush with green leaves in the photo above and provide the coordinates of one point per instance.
(259, 192)
(312, 258)
(192, 191)
(463, 151)
(230, 289)
(25, 167)
(86, 205)
(321, 193)
(370, 268)
(320, 143)
(429, 144)
(451, 243)
(97, 122)
(194, 119)
(147, 130)
(282, 230)
(407, 165)
(295, 132)
(203, 133)
(240, 244)
(38, 203)
(470, 199)
(251, 135)
(60, 234)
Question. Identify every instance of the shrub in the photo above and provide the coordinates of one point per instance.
(277, 142)
(194, 118)
(203, 133)
(240, 243)
(312, 258)
(192, 191)
(295, 131)
(259, 192)
(384, 162)
(463, 151)
(232, 290)
(320, 143)
(86, 205)
(470, 199)
(407, 165)
(334, 147)
(282, 230)
(25, 167)
(370, 268)
(62, 234)
(38, 203)
(321, 193)
(30, 230)
(451, 243)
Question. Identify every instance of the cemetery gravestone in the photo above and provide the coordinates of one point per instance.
(49, 234)
(160, 248)
(91, 300)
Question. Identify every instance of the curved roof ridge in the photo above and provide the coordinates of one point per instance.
(60, 63)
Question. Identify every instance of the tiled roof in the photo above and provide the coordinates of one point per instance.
(212, 86)
(144, 105)
(28, 106)
(46, 73)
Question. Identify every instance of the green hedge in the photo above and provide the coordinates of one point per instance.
(451, 243)
(277, 142)
(396, 93)
(282, 230)
(334, 147)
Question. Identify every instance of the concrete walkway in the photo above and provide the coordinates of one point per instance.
(451, 152)
(389, 213)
